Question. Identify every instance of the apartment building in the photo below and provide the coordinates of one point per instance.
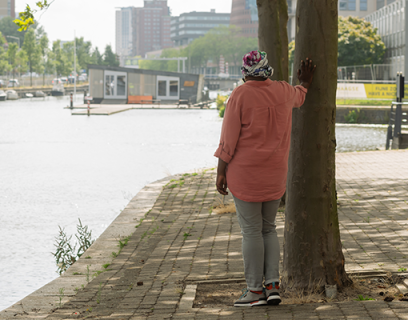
(192, 25)
(7, 8)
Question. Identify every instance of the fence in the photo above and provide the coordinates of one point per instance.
(370, 72)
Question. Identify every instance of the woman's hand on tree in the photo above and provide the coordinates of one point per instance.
(306, 72)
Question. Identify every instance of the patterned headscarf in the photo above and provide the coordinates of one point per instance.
(255, 64)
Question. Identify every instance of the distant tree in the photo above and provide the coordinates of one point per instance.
(44, 50)
(109, 58)
(359, 43)
(96, 57)
(12, 56)
(83, 51)
(33, 53)
(62, 65)
(21, 61)
(9, 28)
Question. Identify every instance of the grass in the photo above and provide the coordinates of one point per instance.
(364, 102)
(186, 235)
(360, 297)
(61, 296)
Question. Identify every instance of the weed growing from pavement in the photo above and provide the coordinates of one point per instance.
(87, 274)
(77, 273)
(66, 253)
(186, 235)
(106, 265)
(88, 257)
(362, 298)
(98, 299)
(61, 296)
(402, 269)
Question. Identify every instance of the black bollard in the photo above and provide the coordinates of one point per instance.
(71, 101)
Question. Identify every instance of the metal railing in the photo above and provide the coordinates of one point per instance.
(398, 117)
(370, 72)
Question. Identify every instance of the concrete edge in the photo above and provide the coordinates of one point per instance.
(40, 303)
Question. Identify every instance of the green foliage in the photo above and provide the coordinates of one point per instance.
(221, 112)
(26, 18)
(9, 28)
(354, 116)
(109, 58)
(402, 269)
(223, 40)
(33, 51)
(359, 43)
(362, 298)
(291, 48)
(66, 253)
(220, 101)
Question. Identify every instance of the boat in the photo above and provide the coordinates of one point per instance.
(11, 95)
(3, 95)
(57, 88)
(29, 95)
(39, 94)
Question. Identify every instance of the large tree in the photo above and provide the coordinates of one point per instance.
(273, 35)
(312, 250)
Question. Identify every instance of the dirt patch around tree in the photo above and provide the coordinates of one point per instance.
(221, 295)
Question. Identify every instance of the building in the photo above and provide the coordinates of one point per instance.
(140, 30)
(192, 25)
(7, 8)
(391, 20)
(244, 14)
(118, 85)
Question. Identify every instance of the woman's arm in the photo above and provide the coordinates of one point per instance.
(221, 177)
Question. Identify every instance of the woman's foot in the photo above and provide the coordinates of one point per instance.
(272, 293)
(250, 299)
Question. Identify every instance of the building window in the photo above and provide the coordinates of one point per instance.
(347, 5)
(363, 5)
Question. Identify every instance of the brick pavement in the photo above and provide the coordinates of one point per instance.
(180, 241)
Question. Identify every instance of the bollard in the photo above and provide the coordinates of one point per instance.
(71, 101)
(89, 108)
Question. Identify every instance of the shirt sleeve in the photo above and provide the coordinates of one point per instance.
(231, 129)
(299, 96)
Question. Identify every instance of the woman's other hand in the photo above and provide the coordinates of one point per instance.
(222, 184)
(221, 177)
(306, 72)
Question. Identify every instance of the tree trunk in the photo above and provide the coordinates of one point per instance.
(312, 250)
(273, 35)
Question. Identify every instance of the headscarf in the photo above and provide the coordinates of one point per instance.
(255, 64)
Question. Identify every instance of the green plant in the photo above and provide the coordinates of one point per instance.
(402, 269)
(98, 296)
(355, 116)
(76, 273)
(114, 254)
(221, 112)
(88, 257)
(87, 274)
(66, 253)
(186, 235)
(362, 298)
(106, 265)
(61, 296)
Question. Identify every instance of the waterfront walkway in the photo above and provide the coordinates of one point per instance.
(181, 243)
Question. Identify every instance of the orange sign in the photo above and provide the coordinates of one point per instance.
(189, 83)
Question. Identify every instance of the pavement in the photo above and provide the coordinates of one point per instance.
(177, 243)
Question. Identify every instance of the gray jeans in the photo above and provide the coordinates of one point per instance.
(260, 244)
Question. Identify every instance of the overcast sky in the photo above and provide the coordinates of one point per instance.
(95, 19)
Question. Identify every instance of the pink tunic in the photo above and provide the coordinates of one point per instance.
(255, 138)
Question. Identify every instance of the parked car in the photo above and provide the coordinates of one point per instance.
(13, 83)
(71, 79)
(84, 75)
(56, 81)
(81, 78)
(64, 80)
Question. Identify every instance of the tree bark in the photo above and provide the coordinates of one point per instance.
(312, 250)
(273, 35)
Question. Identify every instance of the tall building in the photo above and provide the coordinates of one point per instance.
(391, 21)
(124, 31)
(244, 14)
(7, 8)
(140, 30)
(192, 25)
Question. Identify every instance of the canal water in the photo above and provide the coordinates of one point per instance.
(56, 168)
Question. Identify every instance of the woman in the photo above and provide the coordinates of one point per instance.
(253, 158)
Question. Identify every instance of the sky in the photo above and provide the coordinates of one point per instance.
(95, 19)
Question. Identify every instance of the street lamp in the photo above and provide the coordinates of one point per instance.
(18, 39)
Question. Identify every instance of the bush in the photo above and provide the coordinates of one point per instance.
(220, 101)
(221, 112)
